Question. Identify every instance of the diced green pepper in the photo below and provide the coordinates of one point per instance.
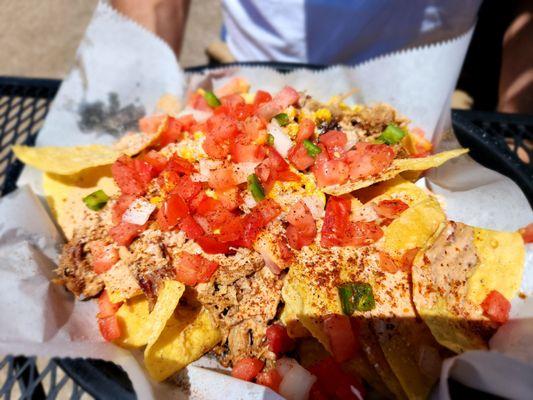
(282, 118)
(96, 200)
(356, 297)
(212, 99)
(312, 149)
(255, 187)
(391, 135)
(270, 140)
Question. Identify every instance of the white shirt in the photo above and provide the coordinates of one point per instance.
(339, 31)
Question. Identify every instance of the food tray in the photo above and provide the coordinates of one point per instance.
(24, 104)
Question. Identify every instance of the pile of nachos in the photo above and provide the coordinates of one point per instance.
(285, 237)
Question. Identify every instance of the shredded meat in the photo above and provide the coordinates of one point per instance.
(243, 297)
(75, 270)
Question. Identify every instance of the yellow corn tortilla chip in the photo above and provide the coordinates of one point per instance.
(310, 298)
(132, 317)
(71, 160)
(481, 260)
(398, 166)
(65, 193)
(133, 143)
(66, 160)
(187, 336)
(132, 314)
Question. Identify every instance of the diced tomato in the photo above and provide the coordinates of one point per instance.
(230, 198)
(211, 245)
(368, 159)
(286, 97)
(156, 160)
(198, 102)
(527, 233)
(408, 258)
(173, 132)
(124, 233)
(333, 383)
(180, 165)
(221, 127)
(109, 328)
(150, 124)
(334, 141)
(235, 107)
(387, 263)
(222, 178)
(285, 251)
(193, 268)
(103, 256)
(236, 85)
(316, 393)
(329, 171)
(274, 168)
(120, 206)
(126, 177)
(363, 233)
(171, 212)
(496, 307)
(342, 341)
(299, 157)
(247, 152)
(261, 97)
(390, 208)
(259, 217)
(302, 227)
(232, 230)
(278, 340)
(145, 172)
(105, 307)
(336, 222)
(306, 129)
(186, 188)
(247, 368)
(191, 228)
(270, 379)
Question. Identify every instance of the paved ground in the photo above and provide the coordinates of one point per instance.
(39, 38)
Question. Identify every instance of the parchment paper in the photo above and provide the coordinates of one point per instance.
(120, 72)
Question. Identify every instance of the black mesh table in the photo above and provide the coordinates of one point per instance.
(503, 142)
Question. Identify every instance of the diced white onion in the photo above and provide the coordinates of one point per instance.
(205, 166)
(352, 140)
(316, 206)
(283, 365)
(282, 141)
(198, 115)
(199, 178)
(241, 171)
(249, 201)
(138, 212)
(296, 383)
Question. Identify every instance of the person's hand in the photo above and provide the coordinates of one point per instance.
(165, 18)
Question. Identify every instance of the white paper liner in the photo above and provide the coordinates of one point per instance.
(118, 56)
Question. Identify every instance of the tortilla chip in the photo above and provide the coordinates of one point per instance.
(453, 312)
(141, 326)
(66, 160)
(133, 143)
(501, 264)
(398, 166)
(132, 317)
(187, 336)
(65, 193)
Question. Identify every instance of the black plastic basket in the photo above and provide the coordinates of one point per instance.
(23, 107)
